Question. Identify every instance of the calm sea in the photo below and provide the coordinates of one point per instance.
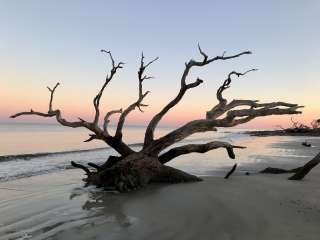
(32, 149)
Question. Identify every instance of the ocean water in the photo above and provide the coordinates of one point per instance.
(34, 149)
(58, 206)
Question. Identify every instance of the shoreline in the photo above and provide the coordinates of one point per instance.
(242, 207)
(259, 206)
(266, 133)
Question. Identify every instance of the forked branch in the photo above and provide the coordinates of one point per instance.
(107, 117)
(98, 133)
(149, 135)
(97, 98)
(54, 113)
(137, 104)
(51, 95)
(232, 117)
(222, 107)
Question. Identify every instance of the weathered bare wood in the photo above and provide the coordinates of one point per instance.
(149, 135)
(204, 125)
(77, 165)
(198, 148)
(98, 133)
(95, 166)
(272, 170)
(169, 174)
(51, 95)
(111, 161)
(137, 104)
(131, 169)
(54, 113)
(299, 172)
(222, 107)
(106, 119)
(305, 169)
(231, 171)
(97, 98)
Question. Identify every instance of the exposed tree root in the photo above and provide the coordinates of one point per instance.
(172, 175)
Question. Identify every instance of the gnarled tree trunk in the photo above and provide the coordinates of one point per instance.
(135, 171)
(131, 169)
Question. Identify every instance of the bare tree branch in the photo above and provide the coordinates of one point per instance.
(299, 172)
(117, 144)
(51, 95)
(137, 104)
(97, 167)
(233, 118)
(96, 100)
(305, 169)
(231, 171)
(54, 113)
(199, 148)
(221, 107)
(77, 165)
(149, 135)
(106, 119)
(133, 169)
(91, 137)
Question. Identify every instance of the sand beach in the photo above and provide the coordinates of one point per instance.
(258, 206)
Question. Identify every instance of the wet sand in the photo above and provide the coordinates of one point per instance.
(56, 206)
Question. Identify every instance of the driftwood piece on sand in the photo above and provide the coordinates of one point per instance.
(303, 171)
(231, 171)
(299, 173)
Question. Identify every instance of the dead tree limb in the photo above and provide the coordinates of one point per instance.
(95, 166)
(220, 108)
(149, 135)
(212, 122)
(107, 117)
(134, 169)
(97, 98)
(299, 172)
(305, 169)
(233, 118)
(272, 170)
(137, 104)
(231, 171)
(98, 133)
(77, 165)
(197, 148)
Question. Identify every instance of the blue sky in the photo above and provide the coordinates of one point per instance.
(47, 41)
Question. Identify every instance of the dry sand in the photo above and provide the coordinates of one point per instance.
(56, 206)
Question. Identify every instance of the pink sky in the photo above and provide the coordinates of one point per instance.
(42, 43)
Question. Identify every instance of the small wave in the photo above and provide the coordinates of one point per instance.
(27, 165)
(29, 156)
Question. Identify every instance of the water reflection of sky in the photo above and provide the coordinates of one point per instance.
(260, 152)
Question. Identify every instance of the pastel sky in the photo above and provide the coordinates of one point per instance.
(43, 42)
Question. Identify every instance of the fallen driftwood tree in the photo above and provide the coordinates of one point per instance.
(134, 169)
(299, 173)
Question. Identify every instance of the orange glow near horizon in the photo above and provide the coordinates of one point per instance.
(175, 117)
(44, 42)
(80, 105)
